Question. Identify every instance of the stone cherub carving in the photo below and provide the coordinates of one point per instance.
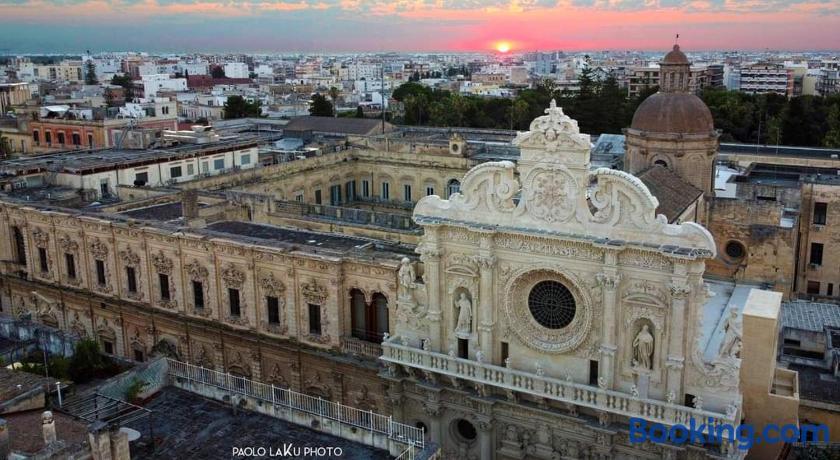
(730, 347)
(464, 306)
(643, 349)
(407, 276)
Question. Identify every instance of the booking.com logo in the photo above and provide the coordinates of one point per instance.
(744, 436)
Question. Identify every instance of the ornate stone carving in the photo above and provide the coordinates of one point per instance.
(67, 244)
(40, 238)
(313, 292)
(233, 277)
(129, 258)
(523, 324)
(196, 271)
(271, 285)
(98, 249)
(463, 306)
(162, 264)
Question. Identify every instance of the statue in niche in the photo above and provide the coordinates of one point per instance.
(643, 349)
(730, 347)
(407, 276)
(464, 306)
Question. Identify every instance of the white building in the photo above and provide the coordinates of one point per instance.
(236, 70)
(162, 82)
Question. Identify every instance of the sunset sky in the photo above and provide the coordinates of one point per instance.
(415, 25)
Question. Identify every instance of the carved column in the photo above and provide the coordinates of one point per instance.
(676, 354)
(485, 438)
(608, 280)
(485, 307)
(430, 256)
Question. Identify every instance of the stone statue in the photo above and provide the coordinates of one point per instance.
(643, 349)
(407, 275)
(451, 352)
(507, 362)
(464, 326)
(426, 344)
(479, 356)
(539, 369)
(48, 427)
(697, 402)
(731, 344)
(634, 390)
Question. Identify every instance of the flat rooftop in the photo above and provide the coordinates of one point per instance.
(271, 235)
(810, 316)
(187, 426)
(91, 161)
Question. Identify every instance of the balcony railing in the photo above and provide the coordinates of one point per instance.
(358, 347)
(550, 388)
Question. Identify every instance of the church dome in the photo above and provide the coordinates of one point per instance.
(675, 56)
(673, 113)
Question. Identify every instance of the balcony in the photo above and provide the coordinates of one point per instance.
(362, 348)
(785, 383)
(614, 402)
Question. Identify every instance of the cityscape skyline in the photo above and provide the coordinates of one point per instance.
(29, 26)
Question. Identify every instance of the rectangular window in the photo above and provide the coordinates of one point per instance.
(816, 254)
(100, 272)
(60, 136)
(205, 167)
(108, 347)
(386, 191)
(175, 172)
(365, 189)
(350, 190)
(190, 169)
(141, 178)
(314, 319)
(299, 197)
(820, 211)
(505, 353)
(829, 290)
(463, 349)
(42, 258)
(813, 287)
(317, 196)
(198, 294)
(335, 195)
(131, 277)
(406, 192)
(70, 265)
(48, 137)
(245, 160)
(90, 140)
(163, 282)
(36, 137)
(430, 191)
(593, 372)
(233, 300)
(138, 355)
(219, 164)
(273, 305)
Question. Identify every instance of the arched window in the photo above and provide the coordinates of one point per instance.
(369, 320)
(453, 187)
(662, 163)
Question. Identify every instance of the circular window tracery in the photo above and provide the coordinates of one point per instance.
(552, 304)
(735, 250)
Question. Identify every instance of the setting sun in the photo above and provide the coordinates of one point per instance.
(503, 47)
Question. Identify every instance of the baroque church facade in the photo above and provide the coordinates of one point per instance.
(543, 305)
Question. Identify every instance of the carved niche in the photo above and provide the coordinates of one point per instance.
(643, 305)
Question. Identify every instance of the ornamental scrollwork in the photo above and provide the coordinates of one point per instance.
(196, 271)
(98, 249)
(233, 277)
(314, 292)
(129, 258)
(162, 264)
(40, 238)
(271, 285)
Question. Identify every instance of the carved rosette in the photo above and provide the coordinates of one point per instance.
(522, 323)
(550, 194)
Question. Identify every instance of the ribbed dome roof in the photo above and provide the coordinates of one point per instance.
(673, 113)
(675, 56)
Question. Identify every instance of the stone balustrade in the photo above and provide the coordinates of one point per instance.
(354, 346)
(610, 401)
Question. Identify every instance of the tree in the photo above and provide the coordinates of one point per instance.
(217, 72)
(127, 83)
(320, 107)
(832, 137)
(239, 107)
(360, 113)
(90, 73)
(87, 362)
(334, 92)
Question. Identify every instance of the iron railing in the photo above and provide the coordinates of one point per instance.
(284, 397)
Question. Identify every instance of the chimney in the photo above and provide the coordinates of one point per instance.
(5, 447)
(189, 204)
(48, 427)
